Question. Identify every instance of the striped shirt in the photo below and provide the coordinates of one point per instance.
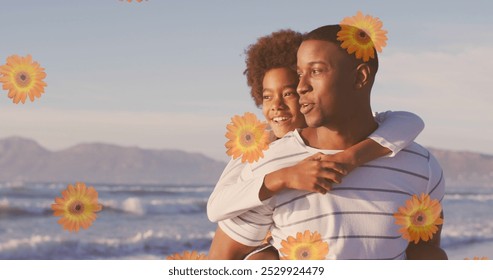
(355, 218)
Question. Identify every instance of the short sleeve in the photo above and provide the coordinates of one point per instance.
(251, 227)
(396, 130)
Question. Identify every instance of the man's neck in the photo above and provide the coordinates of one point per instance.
(342, 135)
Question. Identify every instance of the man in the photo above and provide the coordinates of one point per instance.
(356, 218)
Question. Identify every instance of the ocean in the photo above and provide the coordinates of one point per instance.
(151, 222)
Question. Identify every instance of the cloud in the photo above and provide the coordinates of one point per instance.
(450, 90)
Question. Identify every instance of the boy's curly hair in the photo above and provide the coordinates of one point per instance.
(277, 50)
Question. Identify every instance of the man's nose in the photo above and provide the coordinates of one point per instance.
(303, 86)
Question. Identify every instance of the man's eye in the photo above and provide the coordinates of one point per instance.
(316, 71)
(299, 74)
(266, 97)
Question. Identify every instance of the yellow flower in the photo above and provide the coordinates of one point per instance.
(22, 76)
(194, 255)
(362, 34)
(306, 246)
(247, 138)
(419, 218)
(77, 207)
(477, 258)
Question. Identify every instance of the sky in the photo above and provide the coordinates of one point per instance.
(169, 74)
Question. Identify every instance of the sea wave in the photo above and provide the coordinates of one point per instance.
(132, 205)
(138, 206)
(469, 196)
(152, 190)
(17, 208)
(158, 244)
(137, 189)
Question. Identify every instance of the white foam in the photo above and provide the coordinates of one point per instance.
(133, 205)
(30, 242)
(473, 197)
(4, 203)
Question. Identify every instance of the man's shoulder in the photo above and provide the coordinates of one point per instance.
(416, 150)
(413, 157)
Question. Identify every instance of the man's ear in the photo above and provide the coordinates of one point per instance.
(363, 72)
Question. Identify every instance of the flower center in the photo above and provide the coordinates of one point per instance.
(22, 79)
(76, 208)
(247, 139)
(419, 218)
(362, 37)
(303, 253)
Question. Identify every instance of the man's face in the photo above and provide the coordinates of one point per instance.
(326, 82)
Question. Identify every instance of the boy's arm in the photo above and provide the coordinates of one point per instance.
(396, 131)
(232, 196)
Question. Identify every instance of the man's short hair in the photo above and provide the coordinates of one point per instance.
(329, 33)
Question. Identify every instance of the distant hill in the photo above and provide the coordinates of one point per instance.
(465, 168)
(23, 159)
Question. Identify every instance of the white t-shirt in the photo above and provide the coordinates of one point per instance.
(355, 218)
(232, 197)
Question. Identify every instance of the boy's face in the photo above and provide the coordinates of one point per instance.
(280, 104)
(326, 82)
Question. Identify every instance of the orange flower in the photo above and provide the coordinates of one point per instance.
(305, 246)
(362, 34)
(194, 255)
(22, 76)
(247, 138)
(477, 258)
(77, 207)
(419, 218)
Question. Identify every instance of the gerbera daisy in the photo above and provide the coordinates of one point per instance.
(419, 218)
(362, 34)
(247, 138)
(194, 255)
(306, 246)
(22, 76)
(77, 207)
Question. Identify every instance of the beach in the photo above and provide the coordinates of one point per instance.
(151, 222)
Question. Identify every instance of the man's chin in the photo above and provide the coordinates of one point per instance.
(313, 123)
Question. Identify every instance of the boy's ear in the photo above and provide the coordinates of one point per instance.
(363, 72)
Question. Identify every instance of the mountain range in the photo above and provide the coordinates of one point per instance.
(25, 160)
